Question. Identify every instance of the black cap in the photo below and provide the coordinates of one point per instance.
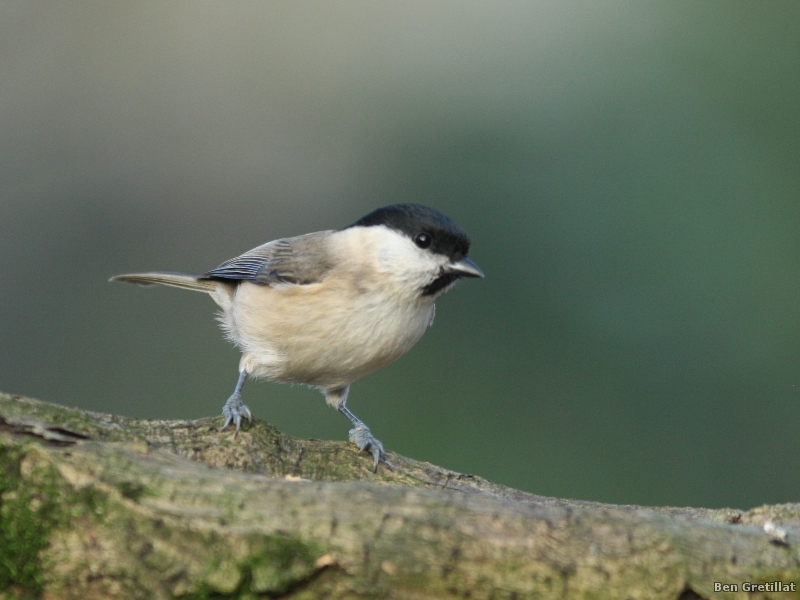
(446, 237)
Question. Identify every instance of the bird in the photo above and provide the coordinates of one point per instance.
(325, 309)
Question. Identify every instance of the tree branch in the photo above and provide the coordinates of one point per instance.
(95, 505)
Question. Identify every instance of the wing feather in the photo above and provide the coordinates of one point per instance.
(299, 260)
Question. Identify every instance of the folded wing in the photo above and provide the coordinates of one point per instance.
(300, 260)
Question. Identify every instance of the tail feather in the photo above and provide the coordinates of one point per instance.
(178, 280)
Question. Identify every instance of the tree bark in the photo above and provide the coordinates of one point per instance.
(100, 506)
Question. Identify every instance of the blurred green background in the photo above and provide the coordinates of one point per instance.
(629, 173)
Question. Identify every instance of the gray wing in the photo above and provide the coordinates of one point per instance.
(299, 260)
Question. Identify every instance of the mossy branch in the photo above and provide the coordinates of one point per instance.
(100, 506)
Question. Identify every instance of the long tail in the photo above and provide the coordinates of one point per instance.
(178, 280)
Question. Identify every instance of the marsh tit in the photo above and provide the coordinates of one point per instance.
(325, 309)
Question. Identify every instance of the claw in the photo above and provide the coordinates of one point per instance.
(377, 453)
(362, 437)
(234, 410)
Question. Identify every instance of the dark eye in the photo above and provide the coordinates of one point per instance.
(423, 240)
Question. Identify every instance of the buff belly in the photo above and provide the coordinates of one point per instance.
(319, 335)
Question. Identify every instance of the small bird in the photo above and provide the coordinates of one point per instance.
(327, 308)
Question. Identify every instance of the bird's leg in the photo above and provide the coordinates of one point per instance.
(360, 435)
(234, 408)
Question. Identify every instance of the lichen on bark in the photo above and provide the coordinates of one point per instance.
(95, 505)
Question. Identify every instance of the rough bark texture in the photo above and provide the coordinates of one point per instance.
(100, 506)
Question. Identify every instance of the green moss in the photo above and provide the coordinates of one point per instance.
(132, 490)
(28, 513)
(281, 563)
(277, 565)
(88, 501)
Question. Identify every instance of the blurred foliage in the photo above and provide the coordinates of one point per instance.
(627, 172)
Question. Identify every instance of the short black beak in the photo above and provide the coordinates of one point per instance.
(465, 268)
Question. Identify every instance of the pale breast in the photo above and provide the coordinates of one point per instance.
(324, 333)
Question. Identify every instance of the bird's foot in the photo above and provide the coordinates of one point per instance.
(362, 437)
(234, 410)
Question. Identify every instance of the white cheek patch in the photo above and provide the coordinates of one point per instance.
(392, 246)
(397, 259)
(401, 258)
